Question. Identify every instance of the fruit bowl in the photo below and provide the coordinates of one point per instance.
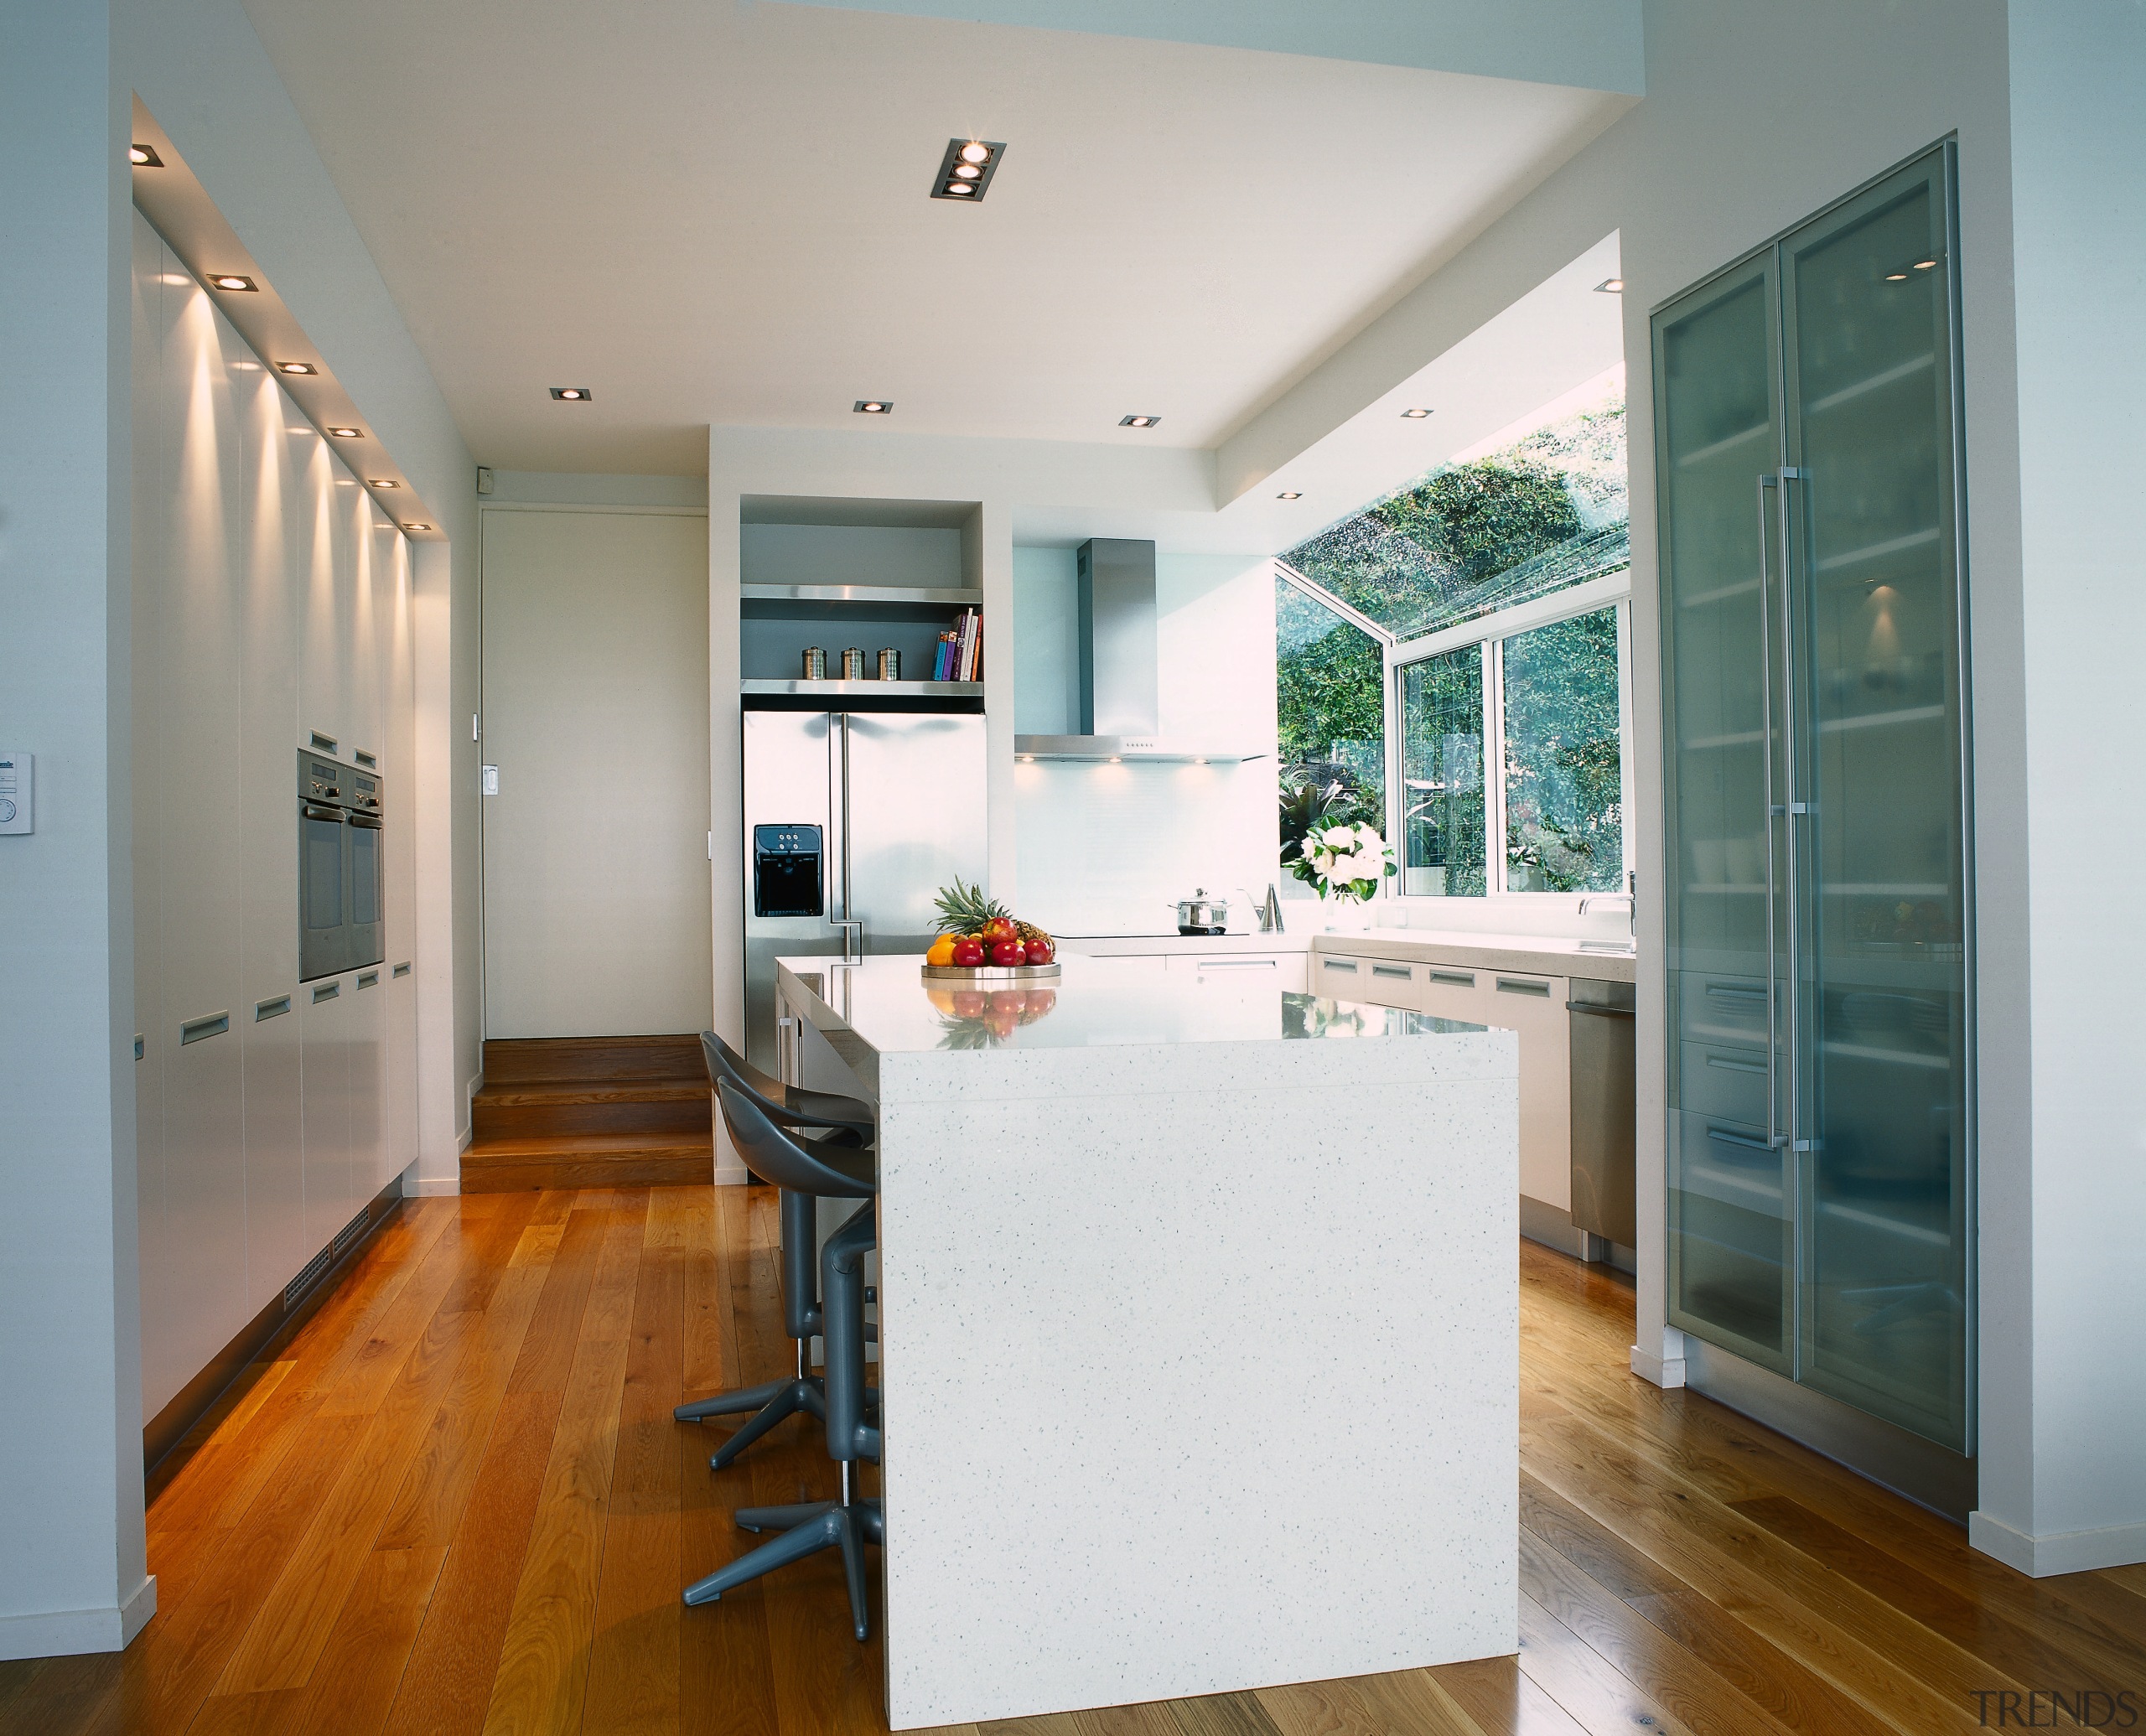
(1009, 974)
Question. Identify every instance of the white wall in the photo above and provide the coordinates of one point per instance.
(272, 599)
(73, 1569)
(2064, 1393)
(1108, 849)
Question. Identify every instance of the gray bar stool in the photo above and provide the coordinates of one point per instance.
(849, 1524)
(848, 1124)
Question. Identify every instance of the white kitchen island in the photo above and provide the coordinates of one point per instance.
(1199, 1322)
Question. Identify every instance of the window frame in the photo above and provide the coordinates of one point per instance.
(1490, 631)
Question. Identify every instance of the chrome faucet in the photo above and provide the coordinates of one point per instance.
(1631, 897)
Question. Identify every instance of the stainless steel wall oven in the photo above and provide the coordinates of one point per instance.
(341, 921)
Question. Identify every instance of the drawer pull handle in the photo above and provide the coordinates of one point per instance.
(1237, 964)
(275, 1008)
(1454, 979)
(368, 979)
(210, 1024)
(326, 991)
(402, 970)
(1521, 986)
(1341, 964)
(1401, 971)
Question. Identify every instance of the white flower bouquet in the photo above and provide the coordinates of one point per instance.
(1343, 861)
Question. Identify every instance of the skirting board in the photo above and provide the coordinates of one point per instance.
(2109, 1545)
(69, 1633)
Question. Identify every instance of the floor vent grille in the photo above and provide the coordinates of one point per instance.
(349, 1233)
(307, 1278)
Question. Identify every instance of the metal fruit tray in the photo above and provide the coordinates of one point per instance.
(1009, 974)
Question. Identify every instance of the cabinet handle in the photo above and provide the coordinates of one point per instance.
(1339, 964)
(1521, 986)
(1401, 971)
(1237, 964)
(368, 979)
(210, 1024)
(275, 1008)
(326, 991)
(1454, 979)
(1599, 1011)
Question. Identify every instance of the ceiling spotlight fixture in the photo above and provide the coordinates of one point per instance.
(348, 433)
(296, 367)
(1289, 494)
(965, 172)
(873, 407)
(143, 157)
(383, 482)
(1137, 421)
(417, 527)
(1413, 415)
(1896, 276)
(572, 394)
(1610, 286)
(1924, 265)
(231, 280)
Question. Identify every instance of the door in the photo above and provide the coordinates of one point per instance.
(1873, 819)
(912, 819)
(595, 712)
(1717, 452)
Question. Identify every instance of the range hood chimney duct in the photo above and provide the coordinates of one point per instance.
(1118, 637)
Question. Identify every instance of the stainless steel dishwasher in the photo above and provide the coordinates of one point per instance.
(1605, 1113)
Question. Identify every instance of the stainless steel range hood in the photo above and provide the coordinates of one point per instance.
(1119, 712)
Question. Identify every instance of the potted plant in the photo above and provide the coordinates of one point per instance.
(1346, 863)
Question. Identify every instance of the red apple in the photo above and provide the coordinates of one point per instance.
(1041, 952)
(968, 954)
(1009, 953)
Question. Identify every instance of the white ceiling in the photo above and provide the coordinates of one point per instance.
(716, 212)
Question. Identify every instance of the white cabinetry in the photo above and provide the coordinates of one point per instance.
(1377, 981)
(1273, 970)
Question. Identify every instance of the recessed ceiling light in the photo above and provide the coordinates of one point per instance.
(1289, 494)
(144, 157)
(572, 394)
(296, 367)
(1137, 421)
(348, 433)
(1896, 276)
(873, 407)
(1028, 758)
(417, 527)
(966, 168)
(231, 280)
(1610, 286)
(383, 482)
(1924, 265)
(1413, 415)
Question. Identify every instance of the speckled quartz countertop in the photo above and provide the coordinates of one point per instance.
(1545, 955)
(1142, 1240)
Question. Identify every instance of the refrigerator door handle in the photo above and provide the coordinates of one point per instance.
(851, 927)
(1766, 780)
(1791, 809)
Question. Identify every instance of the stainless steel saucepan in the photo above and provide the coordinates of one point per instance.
(1200, 915)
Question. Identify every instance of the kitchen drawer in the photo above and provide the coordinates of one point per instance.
(1713, 1009)
(1455, 992)
(1274, 969)
(1376, 982)
(1724, 1081)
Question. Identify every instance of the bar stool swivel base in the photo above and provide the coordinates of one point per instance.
(807, 1528)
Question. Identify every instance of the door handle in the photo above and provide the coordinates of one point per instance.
(310, 812)
(1767, 798)
(852, 946)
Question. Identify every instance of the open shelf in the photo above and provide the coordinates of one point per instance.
(756, 687)
(827, 603)
(1879, 551)
(1876, 382)
(1742, 437)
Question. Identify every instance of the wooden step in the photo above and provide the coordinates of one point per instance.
(637, 1106)
(520, 1060)
(519, 1163)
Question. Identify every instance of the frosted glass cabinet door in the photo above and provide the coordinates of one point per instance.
(1873, 660)
(1718, 432)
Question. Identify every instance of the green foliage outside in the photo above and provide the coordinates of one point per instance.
(1328, 676)
(1564, 814)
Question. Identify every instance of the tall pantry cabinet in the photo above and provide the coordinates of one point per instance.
(1821, 1168)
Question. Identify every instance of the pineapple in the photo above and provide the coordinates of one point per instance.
(964, 909)
(1030, 934)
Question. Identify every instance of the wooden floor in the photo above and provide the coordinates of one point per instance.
(458, 1503)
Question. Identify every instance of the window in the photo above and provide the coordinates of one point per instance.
(1490, 598)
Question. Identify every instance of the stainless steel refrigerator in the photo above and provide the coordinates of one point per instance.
(852, 820)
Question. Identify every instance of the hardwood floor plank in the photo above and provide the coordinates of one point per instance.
(544, 1661)
(448, 1687)
(1503, 1700)
(547, 1350)
(1310, 1708)
(1222, 1715)
(1765, 1675)
(285, 1642)
(1413, 1701)
(360, 1384)
(1150, 1718)
(1598, 1696)
(634, 1663)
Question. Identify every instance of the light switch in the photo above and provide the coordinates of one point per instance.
(17, 808)
(491, 784)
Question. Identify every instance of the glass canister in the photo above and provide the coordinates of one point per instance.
(852, 664)
(816, 663)
(891, 665)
